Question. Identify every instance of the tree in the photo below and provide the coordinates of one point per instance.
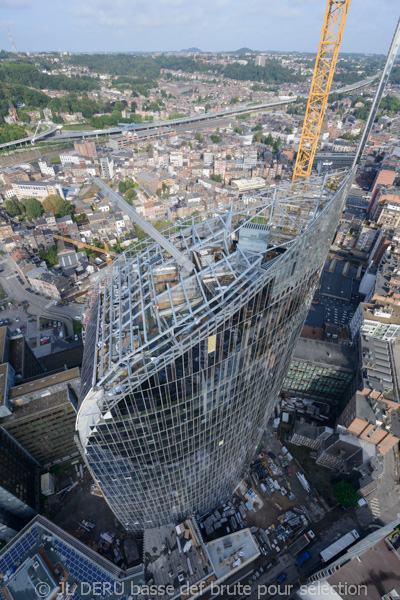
(131, 194)
(345, 493)
(63, 208)
(49, 204)
(269, 140)
(49, 255)
(217, 178)
(34, 209)
(198, 137)
(238, 130)
(277, 177)
(215, 139)
(277, 144)
(228, 157)
(13, 208)
(122, 187)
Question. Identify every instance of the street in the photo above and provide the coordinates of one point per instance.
(38, 306)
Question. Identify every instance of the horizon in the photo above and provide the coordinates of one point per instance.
(124, 24)
(191, 51)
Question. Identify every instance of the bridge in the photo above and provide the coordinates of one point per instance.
(152, 127)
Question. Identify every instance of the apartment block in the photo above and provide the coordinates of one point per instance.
(43, 414)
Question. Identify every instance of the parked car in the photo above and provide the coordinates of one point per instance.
(61, 334)
(59, 324)
(282, 577)
(303, 557)
(76, 337)
(17, 319)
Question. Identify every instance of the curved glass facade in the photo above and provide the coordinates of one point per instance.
(181, 371)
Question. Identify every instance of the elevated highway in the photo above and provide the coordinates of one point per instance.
(51, 130)
(151, 128)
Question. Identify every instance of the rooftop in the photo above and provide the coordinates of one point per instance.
(43, 382)
(23, 583)
(145, 304)
(65, 562)
(232, 551)
(325, 353)
(176, 556)
(378, 569)
(387, 314)
(376, 364)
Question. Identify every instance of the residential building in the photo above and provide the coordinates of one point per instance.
(47, 284)
(46, 169)
(106, 167)
(372, 417)
(366, 238)
(176, 159)
(380, 320)
(176, 395)
(260, 61)
(384, 177)
(376, 364)
(43, 414)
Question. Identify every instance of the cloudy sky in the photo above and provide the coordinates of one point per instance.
(134, 25)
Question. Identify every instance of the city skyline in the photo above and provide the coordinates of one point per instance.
(168, 26)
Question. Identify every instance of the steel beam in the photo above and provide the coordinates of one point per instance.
(151, 231)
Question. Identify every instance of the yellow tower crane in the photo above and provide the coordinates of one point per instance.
(331, 37)
(105, 250)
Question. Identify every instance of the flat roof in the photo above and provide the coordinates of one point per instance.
(378, 569)
(80, 564)
(43, 382)
(388, 314)
(232, 552)
(325, 354)
(167, 562)
(23, 584)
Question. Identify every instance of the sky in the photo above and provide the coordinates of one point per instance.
(211, 25)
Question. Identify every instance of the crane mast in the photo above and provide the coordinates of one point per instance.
(328, 50)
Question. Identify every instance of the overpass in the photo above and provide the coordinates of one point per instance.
(190, 120)
(51, 129)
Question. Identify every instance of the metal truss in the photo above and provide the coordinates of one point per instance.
(328, 50)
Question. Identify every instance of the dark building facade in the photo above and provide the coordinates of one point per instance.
(18, 479)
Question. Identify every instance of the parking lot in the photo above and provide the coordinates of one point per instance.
(44, 336)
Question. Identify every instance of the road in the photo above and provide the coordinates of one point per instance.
(51, 128)
(38, 305)
(173, 123)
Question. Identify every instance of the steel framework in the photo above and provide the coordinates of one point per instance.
(328, 50)
(181, 369)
